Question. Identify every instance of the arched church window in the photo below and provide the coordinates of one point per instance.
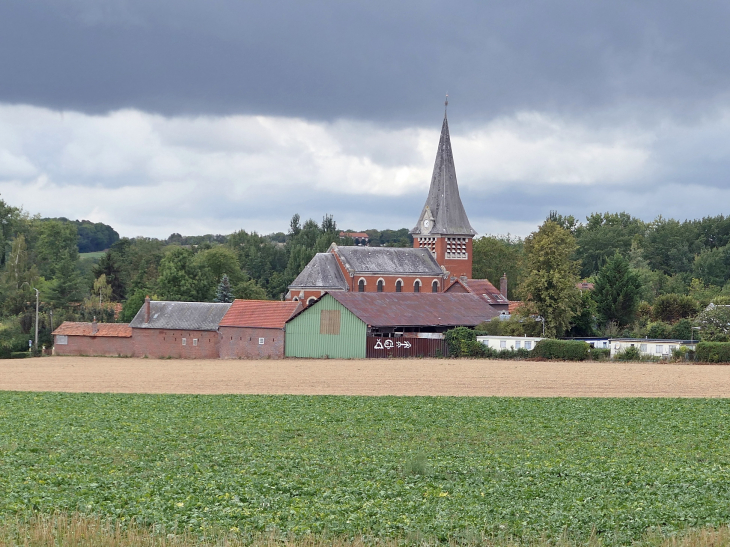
(399, 286)
(361, 286)
(435, 286)
(381, 284)
(417, 286)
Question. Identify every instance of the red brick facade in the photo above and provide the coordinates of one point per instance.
(446, 249)
(105, 346)
(178, 344)
(245, 343)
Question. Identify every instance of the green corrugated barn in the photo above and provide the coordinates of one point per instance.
(326, 329)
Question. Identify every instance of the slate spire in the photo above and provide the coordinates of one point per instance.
(443, 209)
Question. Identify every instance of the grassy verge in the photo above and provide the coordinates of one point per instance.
(60, 530)
(446, 468)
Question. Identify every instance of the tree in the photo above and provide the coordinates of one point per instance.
(55, 238)
(497, 255)
(67, 283)
(249, 290)
(605, 234)
(617, 292)
(181, 278)
(110, 266)
(673, 307)
(549, 286)
(714, 322)
(221, 261)
(224, 293)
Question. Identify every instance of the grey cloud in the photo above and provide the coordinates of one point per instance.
(384, 61)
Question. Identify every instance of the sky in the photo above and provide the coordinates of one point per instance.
(212, 116)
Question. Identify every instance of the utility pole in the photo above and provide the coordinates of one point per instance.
(37, 299)
(37, 302)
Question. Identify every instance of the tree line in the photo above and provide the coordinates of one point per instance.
(650, 279)
(667, 271)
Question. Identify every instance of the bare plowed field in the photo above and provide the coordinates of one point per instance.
(361, 377)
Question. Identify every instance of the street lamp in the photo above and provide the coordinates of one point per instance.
(37, 297)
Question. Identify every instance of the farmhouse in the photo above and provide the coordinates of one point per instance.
(359, 325)
(187, 330)
(254, 329)
(100, 339)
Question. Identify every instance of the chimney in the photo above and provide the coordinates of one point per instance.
(503, 285)
(463, 278)
(94, 326)
(147, 309)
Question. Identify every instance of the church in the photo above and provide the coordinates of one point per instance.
(440, 260)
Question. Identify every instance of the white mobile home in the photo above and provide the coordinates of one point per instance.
(509, 342)
(648, 347)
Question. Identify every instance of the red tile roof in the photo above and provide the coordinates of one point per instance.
(514, 305)
(115, 330)
(481, 287)
(354, 234)
(269, 314)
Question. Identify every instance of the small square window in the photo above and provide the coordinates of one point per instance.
(503, 343)
(261, 341)
(195, 341)
(528, 344)
(642, 348)
(518, 344)
(659, 349)
(184, 341)
(61, 339)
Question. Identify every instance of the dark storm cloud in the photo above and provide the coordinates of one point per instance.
(378, 60)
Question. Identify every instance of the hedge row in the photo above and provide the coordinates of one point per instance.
(713, 352)
(569, 350)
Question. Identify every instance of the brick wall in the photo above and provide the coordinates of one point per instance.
(159, 343)
(95, 345)
(243, 343)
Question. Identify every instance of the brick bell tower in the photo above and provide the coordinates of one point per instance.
(443, 226)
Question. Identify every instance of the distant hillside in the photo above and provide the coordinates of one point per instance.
(93, 236)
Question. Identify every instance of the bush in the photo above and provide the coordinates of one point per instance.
(568, 350)
(631, 353)
(713, 352)
(600, 354)
(5, 351)
(455, 339)
(472, 348)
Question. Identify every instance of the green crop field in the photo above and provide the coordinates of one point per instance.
(382, 466)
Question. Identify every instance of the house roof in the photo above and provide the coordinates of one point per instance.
(181, 315)
(514, 305)
(416, 309)
(387, 260)
(354, 234)
(443, 204)
(269, 314)
(115, 330)
(483, 288)
(321, 273)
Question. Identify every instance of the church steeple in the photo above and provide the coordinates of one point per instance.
(443, 204)
(443, 226)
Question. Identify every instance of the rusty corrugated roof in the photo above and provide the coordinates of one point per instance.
(116, 330)
(483, 288)
(269, 314)
(417, 309)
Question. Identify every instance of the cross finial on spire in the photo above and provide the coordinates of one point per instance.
(446, 103)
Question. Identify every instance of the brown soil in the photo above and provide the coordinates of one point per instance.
(365, 377)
